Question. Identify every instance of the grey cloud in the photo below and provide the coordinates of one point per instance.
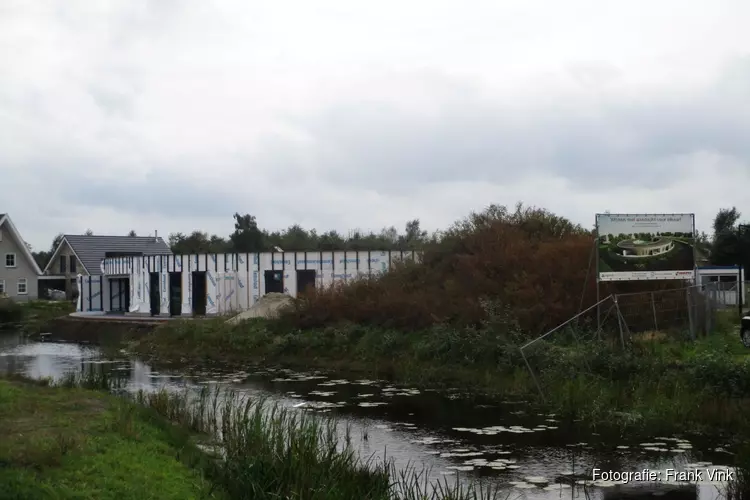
(622, 143)
(159, 193)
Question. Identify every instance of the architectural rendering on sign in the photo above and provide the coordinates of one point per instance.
(645, 246)
(186, 285)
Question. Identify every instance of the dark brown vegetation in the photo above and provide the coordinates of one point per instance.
(533, 265)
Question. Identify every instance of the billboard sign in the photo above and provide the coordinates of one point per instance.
(645, 246)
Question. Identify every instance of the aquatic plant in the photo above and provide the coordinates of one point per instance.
(738, 488)
(264, 450)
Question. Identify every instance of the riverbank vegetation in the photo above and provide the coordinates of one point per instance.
(660, 383)
(84, 443)
(484, 288)
(31, 316)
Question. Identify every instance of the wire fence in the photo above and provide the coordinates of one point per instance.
(686, 313)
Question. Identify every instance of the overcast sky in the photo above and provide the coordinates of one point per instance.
(174, 114)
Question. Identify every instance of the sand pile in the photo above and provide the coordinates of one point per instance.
(268, 306)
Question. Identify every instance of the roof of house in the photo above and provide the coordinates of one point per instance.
(5, 219)
(91, 250)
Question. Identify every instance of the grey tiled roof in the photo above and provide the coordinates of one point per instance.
(92, 249)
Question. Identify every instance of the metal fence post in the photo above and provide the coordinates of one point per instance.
(653, 308)
(690, 313)
(536, 382)
(619, 322)
(707, 300)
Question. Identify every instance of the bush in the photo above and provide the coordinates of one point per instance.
(10, 311)
(530, 261)
(718, 371)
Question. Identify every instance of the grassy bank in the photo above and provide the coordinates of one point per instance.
(31, 316)
(84, 443)
(657, 382)
(58, 442)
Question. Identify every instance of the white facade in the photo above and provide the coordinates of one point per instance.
(233, 282)
(722, 283)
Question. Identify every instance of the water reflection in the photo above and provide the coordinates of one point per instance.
(526, 450)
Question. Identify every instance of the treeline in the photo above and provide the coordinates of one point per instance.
(249, 237)
(728, 245)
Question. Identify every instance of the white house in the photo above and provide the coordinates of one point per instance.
(175, 285)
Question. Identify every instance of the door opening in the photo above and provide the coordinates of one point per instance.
(305, 281)
(154, 294)
(175, 294)
(274, 282)
(119, 295)
(199, 293)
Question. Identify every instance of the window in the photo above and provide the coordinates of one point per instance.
(63, 261)
(21, 287)
(2, 287)
(72, 263)
(10, 260)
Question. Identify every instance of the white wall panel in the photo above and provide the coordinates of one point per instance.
(327, 261)
(190, 292)
(255, 280)
(227, 291)
(163, 287)
(211, 289)
(218, 268)
(290, 280)
(264, 264)
(186, 280)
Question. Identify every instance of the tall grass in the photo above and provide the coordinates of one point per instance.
(739, 487)
(266, 451)
(262, 450)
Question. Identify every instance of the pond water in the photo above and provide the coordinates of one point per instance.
(510, 444)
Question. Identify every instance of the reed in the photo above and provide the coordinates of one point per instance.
(265, 451)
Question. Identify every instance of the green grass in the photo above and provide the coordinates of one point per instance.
(65, 443)
(68, 441)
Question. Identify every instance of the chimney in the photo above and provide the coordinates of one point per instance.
(156, 235)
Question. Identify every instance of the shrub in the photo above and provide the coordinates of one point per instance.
(530, 261)
(10, 311)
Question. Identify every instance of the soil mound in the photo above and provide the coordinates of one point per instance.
(268, 306)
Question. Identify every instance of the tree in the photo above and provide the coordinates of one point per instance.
(197, 242)
(42, 258)
(246, 236)
(729, 244)
(726, 221)
(132, 233)
(414, 237)
(89, 232)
